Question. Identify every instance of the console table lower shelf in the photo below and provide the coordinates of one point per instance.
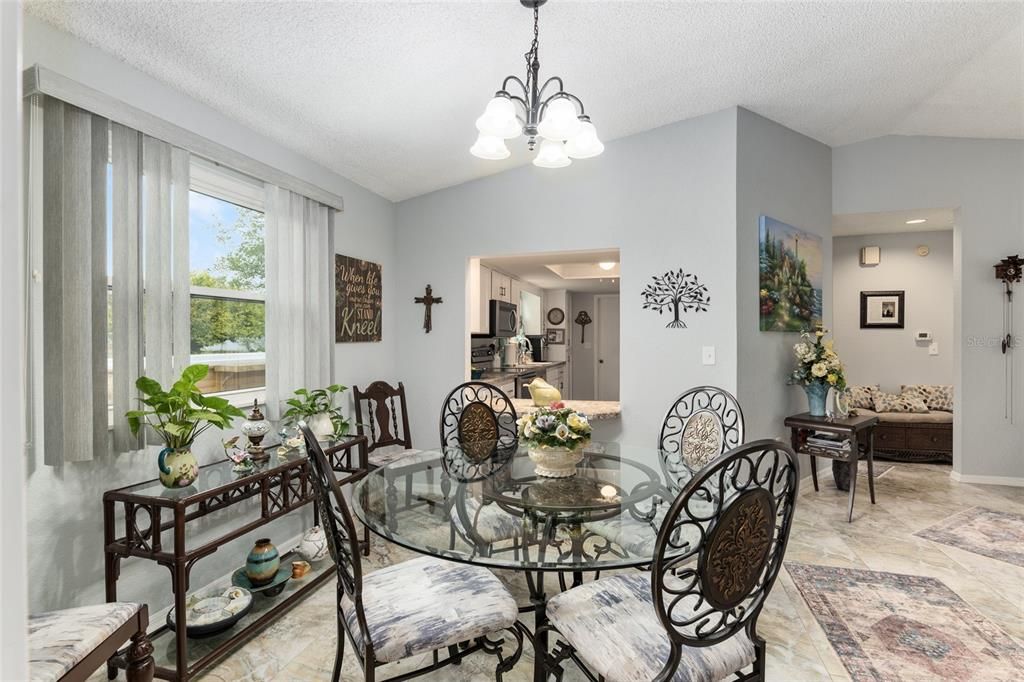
(206, 652)
(148, 521)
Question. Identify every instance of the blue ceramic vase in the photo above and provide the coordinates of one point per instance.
(262, 563)
(817, 393)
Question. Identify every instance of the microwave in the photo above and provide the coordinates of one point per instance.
(504, 319)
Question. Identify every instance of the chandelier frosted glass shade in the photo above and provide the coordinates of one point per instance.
(560, 120)
(585, 144)
(552, 155)
(499, 119)
(490, 147)
(553, 119)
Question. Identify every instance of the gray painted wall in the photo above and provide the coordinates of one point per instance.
(583, 387)
(787, 176)
(891, 357)
(65, 558)
(665, 198)
(985, 179)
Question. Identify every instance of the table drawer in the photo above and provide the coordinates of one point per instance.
(930, 439)
(890, 437)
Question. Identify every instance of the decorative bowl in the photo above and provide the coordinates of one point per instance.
(271, 589)
(212, 611)
(555, 462)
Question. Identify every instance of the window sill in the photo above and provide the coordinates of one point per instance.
(240, 399)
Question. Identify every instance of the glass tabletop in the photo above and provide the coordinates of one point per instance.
(496, 511)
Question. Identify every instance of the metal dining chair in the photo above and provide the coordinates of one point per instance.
(416, 606)
(694, 615)
(478, 420)
(701, 425)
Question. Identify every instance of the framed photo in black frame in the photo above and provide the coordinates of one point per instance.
(881, 310)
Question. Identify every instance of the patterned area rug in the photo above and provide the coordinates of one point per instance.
(995, 534)
(905, 628)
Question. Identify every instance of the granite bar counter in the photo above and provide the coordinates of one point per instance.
(596, 410)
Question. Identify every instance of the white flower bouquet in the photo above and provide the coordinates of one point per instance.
(817, 362)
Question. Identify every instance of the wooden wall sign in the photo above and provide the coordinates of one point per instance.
(357, 300)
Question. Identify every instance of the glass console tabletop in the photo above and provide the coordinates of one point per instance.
(499, 513)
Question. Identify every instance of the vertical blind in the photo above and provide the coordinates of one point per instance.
(81, 161)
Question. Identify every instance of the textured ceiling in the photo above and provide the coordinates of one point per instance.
(386, 93)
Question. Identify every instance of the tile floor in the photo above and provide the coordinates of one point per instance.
(910, 497)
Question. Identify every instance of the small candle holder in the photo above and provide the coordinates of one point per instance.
(255, 428)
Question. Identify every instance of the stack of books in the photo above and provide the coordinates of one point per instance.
(829, 441)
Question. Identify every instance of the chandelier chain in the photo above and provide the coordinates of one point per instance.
(532, 60)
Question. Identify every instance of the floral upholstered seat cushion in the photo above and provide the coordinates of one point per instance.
(59, 640)
(489, 522)
(387, 455)
(424, 604)
(613, 626)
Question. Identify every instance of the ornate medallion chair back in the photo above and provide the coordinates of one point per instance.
(721, 546)
(341, 532)
(701, 425)
(479, 419)
(387, 417)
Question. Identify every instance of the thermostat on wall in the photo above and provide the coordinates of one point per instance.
(923, 336)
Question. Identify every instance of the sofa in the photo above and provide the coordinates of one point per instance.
(915, 425)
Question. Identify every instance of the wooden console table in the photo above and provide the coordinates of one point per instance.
(147, 512)
(861, 432)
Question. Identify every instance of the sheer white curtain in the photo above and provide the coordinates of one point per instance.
(108, 288)
(300, 295)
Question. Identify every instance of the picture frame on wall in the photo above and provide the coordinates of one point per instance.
(555, 337)
(882, 310)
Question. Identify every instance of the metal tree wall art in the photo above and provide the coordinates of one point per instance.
(677, 292)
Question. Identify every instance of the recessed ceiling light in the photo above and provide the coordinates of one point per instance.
(917, 221)
(607, 265)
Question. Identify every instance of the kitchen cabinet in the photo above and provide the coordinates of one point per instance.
(516, 294)
(480, 323)
(556, 377)
(501, 287)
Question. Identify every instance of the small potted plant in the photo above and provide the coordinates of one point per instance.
(818, 370)
(179, 415)
(556, 436)
(318, 410)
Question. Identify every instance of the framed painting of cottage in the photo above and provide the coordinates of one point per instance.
(791, 268)
(357, 312)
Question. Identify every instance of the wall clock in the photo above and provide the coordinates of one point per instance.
(923, 251)
(556, 316)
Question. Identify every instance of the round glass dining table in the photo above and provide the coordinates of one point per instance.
(485, 505)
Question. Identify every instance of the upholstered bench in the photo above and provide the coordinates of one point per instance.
(914, 436)
(72, 644)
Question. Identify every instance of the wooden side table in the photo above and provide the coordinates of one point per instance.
(861, 432)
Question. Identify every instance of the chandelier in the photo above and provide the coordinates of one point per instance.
(557, 118)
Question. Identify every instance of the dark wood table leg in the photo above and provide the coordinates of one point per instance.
(871, 464)
(139, 658)
(854, 450)
(795, 442)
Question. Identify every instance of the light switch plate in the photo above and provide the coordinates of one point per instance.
(707, 355)
(933, 348)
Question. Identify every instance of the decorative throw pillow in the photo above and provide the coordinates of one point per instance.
(863, 396)
(906, 402)
(935, 396)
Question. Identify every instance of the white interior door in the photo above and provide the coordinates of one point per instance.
(607, 346)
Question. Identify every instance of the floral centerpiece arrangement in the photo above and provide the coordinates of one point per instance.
(818, 369)
(555, 436)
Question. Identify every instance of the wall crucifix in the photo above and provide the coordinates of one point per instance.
(428, 299)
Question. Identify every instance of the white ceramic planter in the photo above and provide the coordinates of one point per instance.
(321, 425)
(555, 462)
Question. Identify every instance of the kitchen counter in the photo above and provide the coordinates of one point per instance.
(596, 410)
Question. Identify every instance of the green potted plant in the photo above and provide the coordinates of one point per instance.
(318, 410)
(178, 415)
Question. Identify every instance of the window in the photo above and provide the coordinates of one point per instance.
(228, 280)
